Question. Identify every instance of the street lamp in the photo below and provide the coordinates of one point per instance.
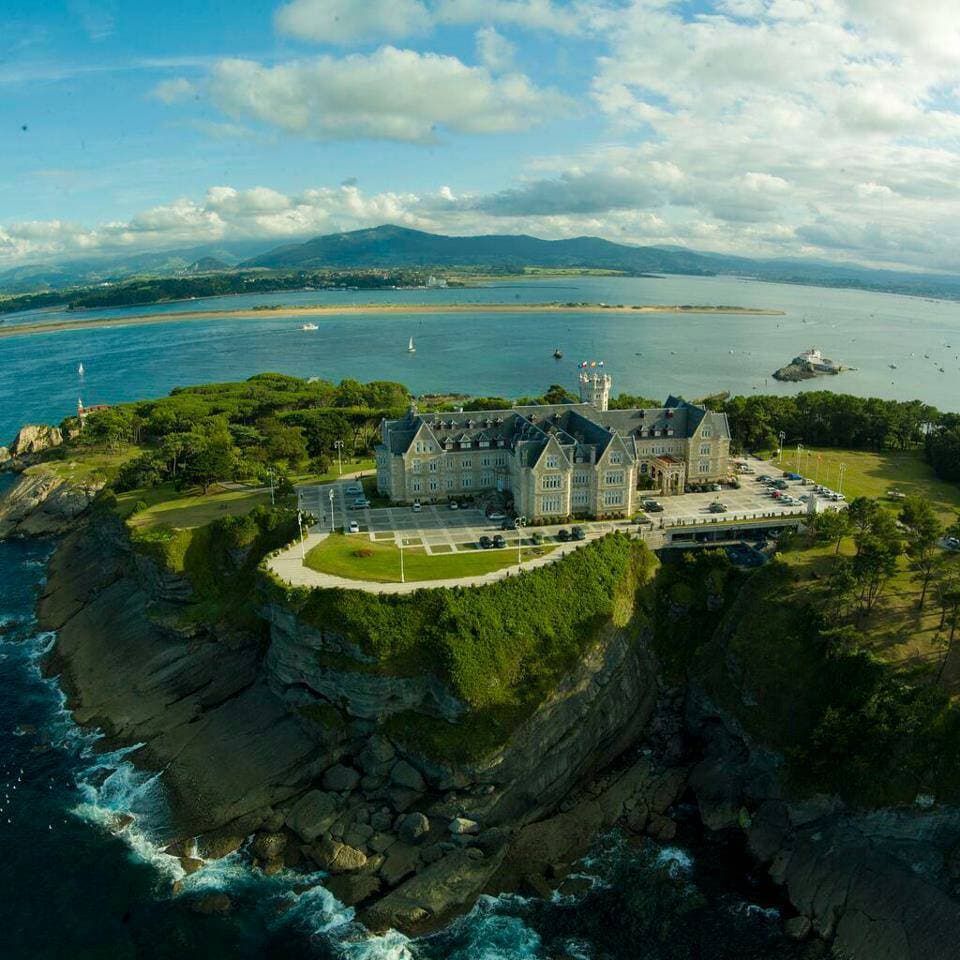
(781, 436)
(521, 523)
(300, 526)
(840, 473)
(339, 446)
(799, 452)
(402, 577)
(270, 474)
(331, 510)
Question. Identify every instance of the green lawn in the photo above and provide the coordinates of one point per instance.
(79, 464)
(186, 510)
(357, 558)
(873, 474)
(351, 465)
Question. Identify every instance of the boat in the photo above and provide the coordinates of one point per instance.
(410, 347)
(309, 326)
(557, 355)
(80, 369)
(892, 366)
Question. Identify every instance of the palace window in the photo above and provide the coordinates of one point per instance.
(580, 498)
(466, 463)
(466, 482)
(614, 477)
(486, 479)
(465, 444)
(612, 498)
(554, 482)
(551, 461)
(616, 457)
(448, 483)
(415, 486)
(433, 466)
(704, 466)
(581, 479)
(704, 449)
(484, 461)
(415, 466)
(448, 445)
(500, 460)
(706, 433)
(550, 505)
(643, 467)
(484, 443)
(434, 485)
(418, 446)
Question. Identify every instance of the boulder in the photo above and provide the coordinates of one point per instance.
(340, 779)
(402, 799)
(336, 857)
(413, 826)
(461, 825)
(405, 775)
(314, 813)
(268, 846)
(216, 846)
(402, 860)
(4, 455)
(352, 888)
(190, 865)
(798, 928)
(377, 756)
(380, 842)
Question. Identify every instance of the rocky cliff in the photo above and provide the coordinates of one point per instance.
(41, 503)
(259, 736)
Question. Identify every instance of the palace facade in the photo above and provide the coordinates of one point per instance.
(557, 460)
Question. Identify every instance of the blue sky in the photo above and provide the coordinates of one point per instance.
(761, 127)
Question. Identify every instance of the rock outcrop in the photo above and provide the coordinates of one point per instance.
(42, 503)
(33, 439)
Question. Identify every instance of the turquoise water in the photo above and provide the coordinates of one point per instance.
(508, 354)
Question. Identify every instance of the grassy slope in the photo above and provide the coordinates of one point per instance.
(186, 510)
(357, 558)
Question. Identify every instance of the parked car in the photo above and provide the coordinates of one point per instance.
(781, 484)
(485, 543)
(652, 506)
(794, 476)
(952, 543)
(563, 535)
(508, 524)
(353, 488)
(361, 503)
(718, 507)
(353, 527)
(764, 477)
(715, 487)
(578, 533)
(536, 537)
(498, 540)
(777, 495)
(496, 515)
(416, 506)
(453, 505)
(896, 495)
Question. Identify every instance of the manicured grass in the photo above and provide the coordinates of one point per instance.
(351, 465)
(186, 510)
(873, 474)
(357, 558)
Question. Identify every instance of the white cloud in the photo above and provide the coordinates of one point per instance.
(390, 94)
(348, 22)
(495, 50)
(173, 90)
(542, 15)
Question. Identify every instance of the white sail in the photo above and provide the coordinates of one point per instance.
(410, 347)
(80, 369)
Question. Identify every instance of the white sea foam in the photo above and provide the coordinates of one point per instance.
(678, 862)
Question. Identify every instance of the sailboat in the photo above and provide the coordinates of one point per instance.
(410, 347)
(80, 369)
(309, 326)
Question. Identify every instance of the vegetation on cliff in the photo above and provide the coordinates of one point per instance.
(501, 648)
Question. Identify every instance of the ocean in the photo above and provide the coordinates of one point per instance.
(79, 882)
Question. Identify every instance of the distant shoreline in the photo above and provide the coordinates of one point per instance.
(320, 311)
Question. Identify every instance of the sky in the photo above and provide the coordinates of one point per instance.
(826, 129)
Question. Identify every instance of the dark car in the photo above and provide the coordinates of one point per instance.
(652, 506)
(508, 524)
(578, 533)
(536, 537)
(498, 541)
(563, 535)
(485, 542)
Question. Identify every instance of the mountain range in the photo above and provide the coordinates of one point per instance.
(391, 246)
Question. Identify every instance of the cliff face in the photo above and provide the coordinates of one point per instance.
(279, 734)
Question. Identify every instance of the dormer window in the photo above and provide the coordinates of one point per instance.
(706, 433)
(551, 461)
(616, 457)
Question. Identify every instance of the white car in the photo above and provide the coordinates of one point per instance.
(361, 503)
(496, 515)
(416, 508)
(353, 527)
(353, 488)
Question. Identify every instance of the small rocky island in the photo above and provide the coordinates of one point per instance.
(809, 364)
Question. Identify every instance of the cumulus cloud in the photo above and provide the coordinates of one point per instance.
(348, 22)
(390, 94)
(495, 50)
(173, 90)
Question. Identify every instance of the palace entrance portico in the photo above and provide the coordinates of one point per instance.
(670, 474)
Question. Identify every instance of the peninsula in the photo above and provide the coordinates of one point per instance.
(258, 313)
(422, 748)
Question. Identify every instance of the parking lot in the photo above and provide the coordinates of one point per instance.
(439, 530)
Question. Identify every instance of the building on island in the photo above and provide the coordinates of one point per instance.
(556, 460)
(816, 362)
